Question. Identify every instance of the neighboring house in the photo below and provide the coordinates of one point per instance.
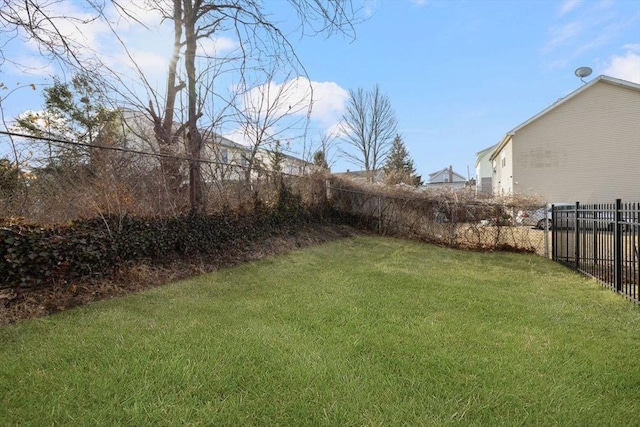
(484, 170)
(223, 159)
(230, 161)
(585, 147)
(446, 178)
(292, 165)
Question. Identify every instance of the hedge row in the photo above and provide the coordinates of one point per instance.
(33, 256)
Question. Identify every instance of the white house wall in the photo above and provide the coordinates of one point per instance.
(484, 171)
(229, 163)
(587, 149)
(502, 166)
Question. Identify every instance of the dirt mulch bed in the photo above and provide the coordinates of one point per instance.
(17, 305)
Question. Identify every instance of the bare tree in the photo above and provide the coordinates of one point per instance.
(262, 42)
(45, 28)
(267, 116)
(368, 128)
(322, 153)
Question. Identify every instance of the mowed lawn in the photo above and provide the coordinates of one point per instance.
(362, 331)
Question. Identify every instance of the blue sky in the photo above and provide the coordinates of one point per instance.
(459, 74)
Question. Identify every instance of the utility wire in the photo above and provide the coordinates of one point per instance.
(106, 147)
(129, 150)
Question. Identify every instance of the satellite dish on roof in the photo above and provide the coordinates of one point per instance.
(583, 72)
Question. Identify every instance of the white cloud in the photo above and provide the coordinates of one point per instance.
(27, 64)
(154, 66)
(151, 60)
(595, 43)
(369, 8)
(134, 12)
(216, 46)
(561, 35)
(419, 3)
(238, 136)
(288, 104)
(295, 95)
(335, 131)
(271, 101)
(69, 22)
(572, 37)
(568, 6)
(151, 47)
(90, 33)
(625, 67)
(329, 100)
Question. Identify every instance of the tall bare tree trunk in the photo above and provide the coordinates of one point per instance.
(194, 138)
(163, 122)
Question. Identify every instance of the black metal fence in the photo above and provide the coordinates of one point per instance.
(601, 241)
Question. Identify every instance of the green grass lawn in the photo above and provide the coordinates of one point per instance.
(363, 331)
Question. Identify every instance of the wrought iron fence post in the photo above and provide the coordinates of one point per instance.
(546, 231)
(576, 242)
(554, 237)
(617, 242)
(596, 208)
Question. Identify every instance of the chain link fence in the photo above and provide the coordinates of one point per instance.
(106, 181)
(453, 218)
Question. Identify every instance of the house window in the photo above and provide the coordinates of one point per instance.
(503, 156)
(446, 179)
(224, 155)
(244, 162)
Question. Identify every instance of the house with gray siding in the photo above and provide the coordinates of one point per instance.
(585, 147)
(446, 178)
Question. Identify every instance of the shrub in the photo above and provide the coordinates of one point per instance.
(36, 255)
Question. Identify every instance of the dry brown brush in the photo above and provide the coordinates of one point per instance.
(455, 218)
(36, 254)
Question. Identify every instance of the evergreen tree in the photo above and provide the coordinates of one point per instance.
(76, 112)
(399, 167)
(319, 159)
(276, 157)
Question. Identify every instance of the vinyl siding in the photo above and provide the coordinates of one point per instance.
(503, 177)
(485, 186)
(484, 172)
(587, 149)
(444, 176)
